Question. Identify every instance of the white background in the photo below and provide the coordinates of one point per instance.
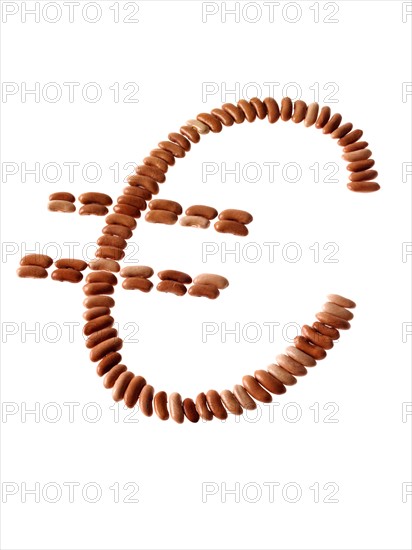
(170, 53)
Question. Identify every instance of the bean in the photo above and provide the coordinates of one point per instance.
(137, 283)
(223, 116)
(189, 408)
(341, 301)
(157, 162)
(121, 385)
(202, 408)
(176, 407)
(282, 374)
(134, 389)
(291, 365)
(244, 398)
(164, 155)
(300, 356)
(161, 216)
(331, 332)
(248, 109)
(231, 403)
(121, 219)
(286, 108)
(237, 114)
(95, 198)
(332, 320)
(112, 240)
(218, 281)
(210, 120)
(127, 210)
(100, 336)
(91, 289)
(240, 216)
(339, 311)
(234, 228)
(110, 379)
(101, 277)
(316, 337)
(349, 138)
(253, 387)
(103, 264)
(163, 204)
(173, 275)
(160, 405)
(207, 212)
(98, 301)
(311, 114)
(31, 272)
(108, 362)
(194, 221)
(332, 124)
(67, 275)
(110, 253)
(62, 196)
(357, 146)
(191, 133)
(98, 323)
(269, 382)
(323, 117)
(136, 271)
(363, 186)
(118, 231)
(272, 109)
(342, 130)
(311, 349)
(200, 127)
(146, 400)
(366, 175)
(93, 210)
(176, 150)
(130, 200)
(137, 192)
(362, 154)
(259, 107)
(299, 111)
(172, 287)
(94, 312)
(78, 265)
(104, 348)
(204, 291)
(151, 172)
(61, 206)
(40, 260)
(360, 165)
(215, 405)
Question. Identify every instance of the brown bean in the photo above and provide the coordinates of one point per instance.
(300, 356)
(316, 337)
(61, 206)
(363, 186)
(95, 198)
(194, 221)
(93, 210)
(117, 231)
(342, 130)
(101, 277)
(362, 154)
(291, 365)
(202, 408)
(108, 362)
(339, 311)
(100, 336)
(32, 272)
(121, 384)
(207, 212)
(175, 137)
(160, 405)
(259, 107)
(323, 117)
(244, 398)
(94, 312)
(110, 379)
(78, 265)
(98, 301)
(272, 109)
(40, 260)
(164, 155)
(112, 240)
(240, 216)
(341, 301)
(311, 114)
(223, 116)
(158, 163)
(110, 253)
(91, 289)
(269, 382)
(190, 133)
(218, 281)
(299, 111)
(330, 332)
(189, 408)
(360, 165)
(366, 175)
(235, 112)
(311, 349)
(173, 275)
(286, 109)
(151, 172)
(164, 204)
(136, 271)
(137, 283)
(161, 216)
(210, 120)
(103, 264)
(176, 150)
(176, 407)
(130, 200)
(332, 320)
(253, 387)
(357, 146)
(133, 391)
(62, 196)
(248, 109)
(215, 405)
(127, 210)
(121, 219)
(146, 400)
(144, 181)
(104, 348)
(282, 374)
(98, 323)
(224, 226)
(332, 124)
(67, 275)
(172, 287)
(351, 137)
(135, 191)
(204, 291)
(230, 402)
